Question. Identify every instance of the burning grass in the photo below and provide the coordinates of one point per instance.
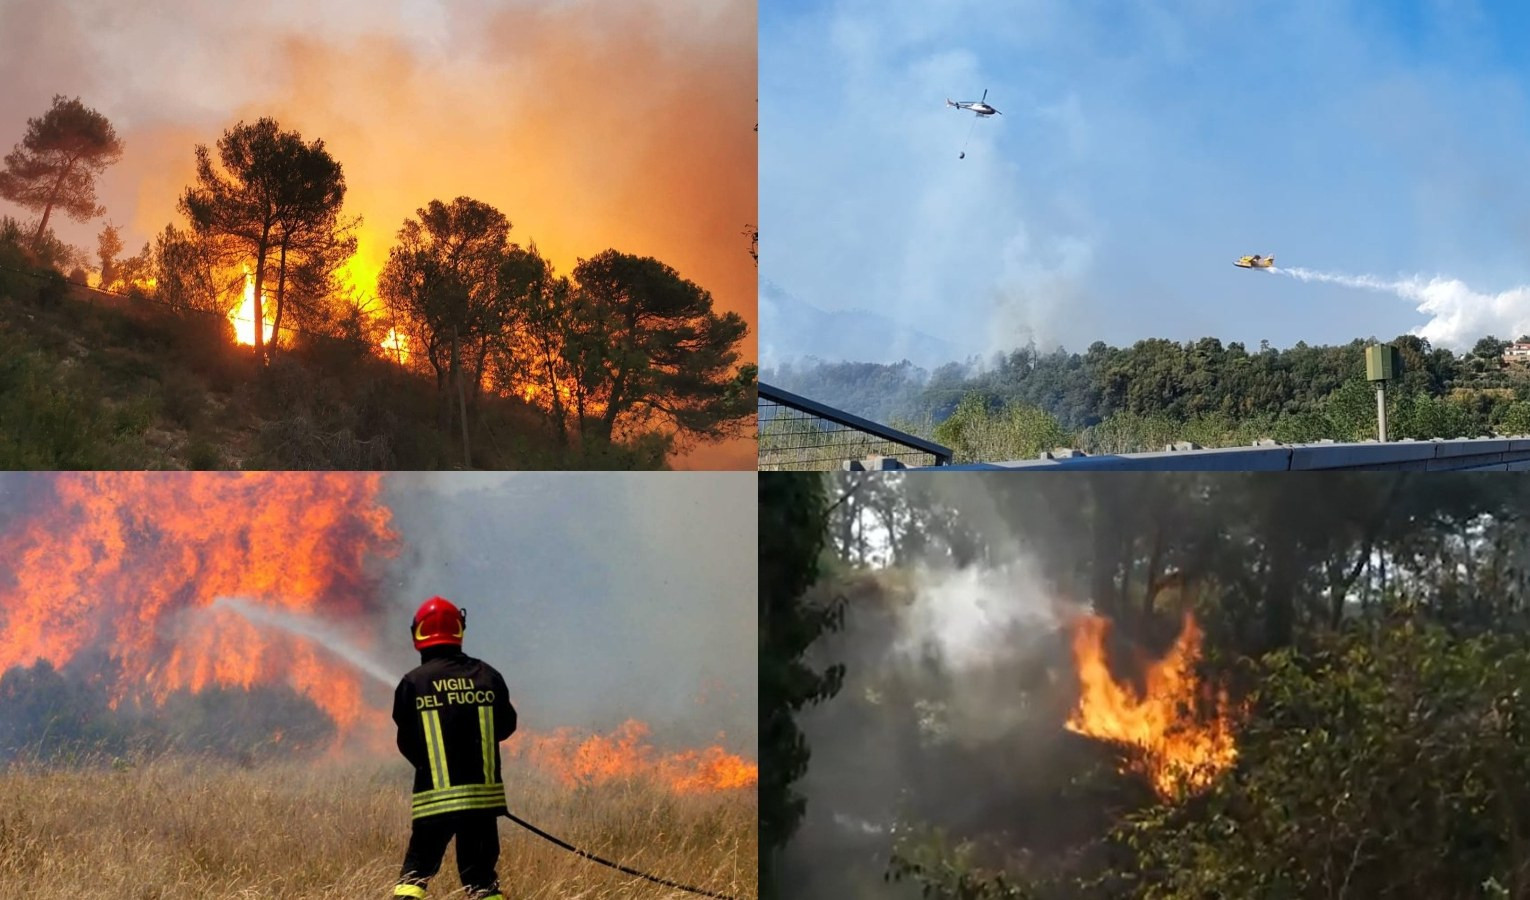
(178, 828)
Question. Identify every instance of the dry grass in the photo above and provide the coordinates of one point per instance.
(184, 830)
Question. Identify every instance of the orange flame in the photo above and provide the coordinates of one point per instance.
(117, 560)
(244, 317)
(130, 562)
(396, 346)
(1172, 747)
(576, 760)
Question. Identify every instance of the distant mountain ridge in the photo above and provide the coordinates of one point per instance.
(792, 329)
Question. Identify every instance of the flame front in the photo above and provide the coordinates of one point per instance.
(129, 562)
(396, 346)
(574, 759)
(1171, 745)
(244, 317)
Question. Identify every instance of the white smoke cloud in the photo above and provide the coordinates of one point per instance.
(1458, 315)
(970, 616)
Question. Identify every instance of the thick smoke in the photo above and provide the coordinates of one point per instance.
(968, 616)
(601, 596)
(971, 636)
(1459, 316)
(591, 124)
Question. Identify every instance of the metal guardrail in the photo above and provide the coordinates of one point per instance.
(799, 434)
(1471, 454)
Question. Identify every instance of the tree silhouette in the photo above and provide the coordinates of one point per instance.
(57, 162)
(444, 275)
(274, 194)
(648, 351)
(109, 244)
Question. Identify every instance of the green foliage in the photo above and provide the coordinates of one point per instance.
(23, 248)
(950, 872)
(793, 512)
(1159, 392)
(974, 432)
(1373, 631)
(1514, 418)
(51, 417)
(1392, 761)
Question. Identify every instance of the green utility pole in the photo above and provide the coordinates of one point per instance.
(1382, 364)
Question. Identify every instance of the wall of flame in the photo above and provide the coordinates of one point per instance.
(133, 562)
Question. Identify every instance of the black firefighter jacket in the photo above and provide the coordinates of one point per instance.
(452, 712)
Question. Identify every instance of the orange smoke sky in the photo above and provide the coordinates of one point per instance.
(591, 124)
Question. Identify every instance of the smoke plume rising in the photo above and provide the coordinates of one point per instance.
(591, 124)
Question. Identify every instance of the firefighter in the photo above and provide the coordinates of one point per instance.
(452, 712)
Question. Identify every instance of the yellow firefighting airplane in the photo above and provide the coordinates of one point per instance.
(1255, 262)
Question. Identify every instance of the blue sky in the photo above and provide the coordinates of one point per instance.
(1143, 147)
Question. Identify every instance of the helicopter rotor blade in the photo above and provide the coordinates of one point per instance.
(985, 96)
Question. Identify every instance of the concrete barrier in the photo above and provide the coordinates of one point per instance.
(1473, 454)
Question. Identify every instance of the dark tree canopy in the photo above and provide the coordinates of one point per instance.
(650, 350)
(272, 195)
(442, 277)
(793, 519)
(57, 161)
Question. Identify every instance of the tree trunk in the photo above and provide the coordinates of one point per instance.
(257, 313)
(58, 185)
(560, 415)
(467, 452)
(1279, 595)
(281, 290)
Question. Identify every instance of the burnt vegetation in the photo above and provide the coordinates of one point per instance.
(1374, 632)
(64, 716)
(472, 352)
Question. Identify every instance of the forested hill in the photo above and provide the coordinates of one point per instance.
(1286, 392)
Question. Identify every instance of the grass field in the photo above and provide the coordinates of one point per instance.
(188, 830)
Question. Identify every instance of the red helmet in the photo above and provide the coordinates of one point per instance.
(438, 622)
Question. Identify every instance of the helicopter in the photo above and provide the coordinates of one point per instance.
(981, 107)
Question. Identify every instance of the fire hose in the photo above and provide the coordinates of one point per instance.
(606, 862)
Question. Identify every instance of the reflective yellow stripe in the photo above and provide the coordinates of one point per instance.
(435, 748)
(487, 796)
(411, 890)
(486, 729)
(466, 790)
(446, 773)
(459, 804)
